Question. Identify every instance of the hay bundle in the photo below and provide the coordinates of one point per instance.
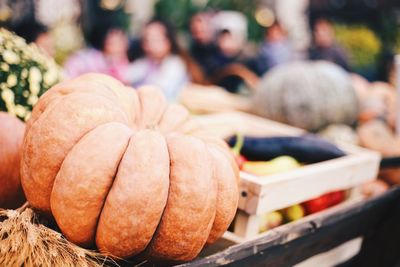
(26, 242)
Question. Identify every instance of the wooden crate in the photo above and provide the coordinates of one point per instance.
(259, 195)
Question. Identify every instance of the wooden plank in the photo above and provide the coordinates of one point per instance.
(246, 225)
(381, 244)
(337, 255)
(295, 242)
(397, 73)
(227, 124)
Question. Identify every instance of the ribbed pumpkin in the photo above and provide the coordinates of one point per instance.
(309, 95)
(118, 168)
(11, 136)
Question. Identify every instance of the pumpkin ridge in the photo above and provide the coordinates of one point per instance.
(118, 99)
(62, 90)
(34, 118)
(52, 105)
(149, 245)
(215, 183)
(183, 201)
(226, 209)
(143, 94)
(164, 125)
(130, 176)
(223, 215)
(43, 117)
(106, 126)
(115, 175)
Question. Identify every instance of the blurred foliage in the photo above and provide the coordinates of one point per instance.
(68, 38)
(361, 43)
(25, 74)
(182, 10)
(397, 44)
(95, 16)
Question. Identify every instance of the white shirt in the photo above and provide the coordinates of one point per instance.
(171, 75)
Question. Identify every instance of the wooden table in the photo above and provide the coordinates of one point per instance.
(376, 219)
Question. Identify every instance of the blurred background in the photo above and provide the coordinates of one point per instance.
(366, 29)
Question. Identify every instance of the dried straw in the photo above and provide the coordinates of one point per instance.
(26, 242)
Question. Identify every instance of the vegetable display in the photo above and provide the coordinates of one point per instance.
(11, 136)
(121, 169)
(306, 149)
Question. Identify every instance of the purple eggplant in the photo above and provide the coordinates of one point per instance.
(305, 149)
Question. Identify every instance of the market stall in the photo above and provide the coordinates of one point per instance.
(95, 173)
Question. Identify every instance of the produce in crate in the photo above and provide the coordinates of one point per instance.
(236, 150)
(119, 169)
(276, 165)
(11, 137)
(270, 220)
(294, 213)
(323, 202)
(309, 95)
(305, 149)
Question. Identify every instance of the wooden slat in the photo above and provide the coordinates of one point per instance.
(295, 242)
(292, 187)
(229, 123)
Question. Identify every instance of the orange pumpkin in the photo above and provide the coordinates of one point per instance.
(119, 168)
(11, 136)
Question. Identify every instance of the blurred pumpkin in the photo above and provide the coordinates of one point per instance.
(377, 135)
(360, 85)
(377, 101)
(309, 95)
(11, 137)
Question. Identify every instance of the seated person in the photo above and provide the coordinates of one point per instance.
(107, 54)
(275, 50)
(229, 62)
(202, 46)
(162, 64)
(325, 46)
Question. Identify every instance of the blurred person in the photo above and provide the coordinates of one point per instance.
(275, 50)
(229, 64)
(229, 67)
(107, 54)
(36, 32)
(203, 47)
(325, 46)
(135, 49)
(163, 62)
